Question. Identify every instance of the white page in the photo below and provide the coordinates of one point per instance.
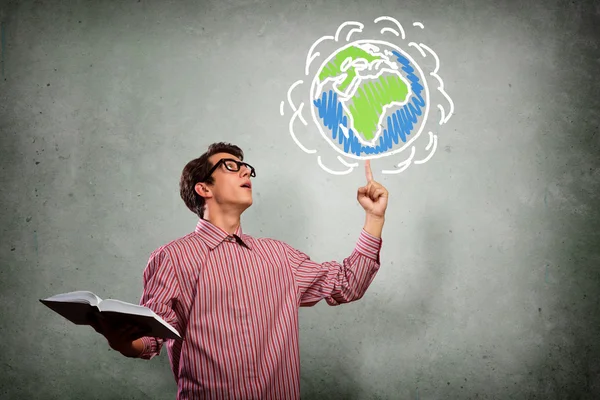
(80, 296)
(124, 307)
(109, 305)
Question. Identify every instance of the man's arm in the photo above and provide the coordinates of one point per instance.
(347, 281)
(337, 282)
(374, 225)
(161, 289)
(160, 294)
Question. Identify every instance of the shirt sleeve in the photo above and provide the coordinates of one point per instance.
(160, 294)
(336, 282)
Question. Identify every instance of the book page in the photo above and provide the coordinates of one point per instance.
(80, 296)
(116, 307)
(124, 307)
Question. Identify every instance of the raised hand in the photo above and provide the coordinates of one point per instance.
(373, 197)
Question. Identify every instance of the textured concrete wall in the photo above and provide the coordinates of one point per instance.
(489, 282)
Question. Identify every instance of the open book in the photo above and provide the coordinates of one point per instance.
(82, 307)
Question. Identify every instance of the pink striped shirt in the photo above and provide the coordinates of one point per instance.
(234, 299)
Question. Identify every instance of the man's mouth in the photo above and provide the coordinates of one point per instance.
(247, 186)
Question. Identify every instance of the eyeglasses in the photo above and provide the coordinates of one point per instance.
(231, 165)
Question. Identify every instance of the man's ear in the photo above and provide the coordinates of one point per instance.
(203, 190)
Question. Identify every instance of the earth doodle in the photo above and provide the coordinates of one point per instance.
(369, 97)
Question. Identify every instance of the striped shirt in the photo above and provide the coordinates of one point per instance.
(234, 299)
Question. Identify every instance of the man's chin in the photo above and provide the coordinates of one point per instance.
(245, 204)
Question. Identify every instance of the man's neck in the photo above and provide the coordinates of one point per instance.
(228, 222)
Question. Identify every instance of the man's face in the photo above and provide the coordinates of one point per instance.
(230, 189)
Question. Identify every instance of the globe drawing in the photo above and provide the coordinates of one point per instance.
(369, 99)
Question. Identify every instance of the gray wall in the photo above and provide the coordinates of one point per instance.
(489, 280)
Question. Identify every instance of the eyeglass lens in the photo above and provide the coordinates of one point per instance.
(235, 166)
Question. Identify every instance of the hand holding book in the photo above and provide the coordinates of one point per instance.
(121, 337)
(121, 323)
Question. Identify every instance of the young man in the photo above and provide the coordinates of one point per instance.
(235, 298)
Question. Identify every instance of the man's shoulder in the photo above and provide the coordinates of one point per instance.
(264, 243)
(182, 243)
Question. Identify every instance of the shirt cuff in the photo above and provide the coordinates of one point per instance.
(369, 245)
(150, 348)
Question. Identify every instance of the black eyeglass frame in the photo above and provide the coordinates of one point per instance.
(237, 162)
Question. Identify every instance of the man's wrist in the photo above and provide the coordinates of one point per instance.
(134, 350)
(374, 224)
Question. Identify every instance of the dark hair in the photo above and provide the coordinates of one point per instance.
(196, 169)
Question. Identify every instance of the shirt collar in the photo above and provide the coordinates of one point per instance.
(213, 235)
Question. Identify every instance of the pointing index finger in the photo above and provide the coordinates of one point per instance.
(368, 170)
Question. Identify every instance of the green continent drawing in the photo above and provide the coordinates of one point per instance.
(366, 106)
(334, 67)
(369, 100)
